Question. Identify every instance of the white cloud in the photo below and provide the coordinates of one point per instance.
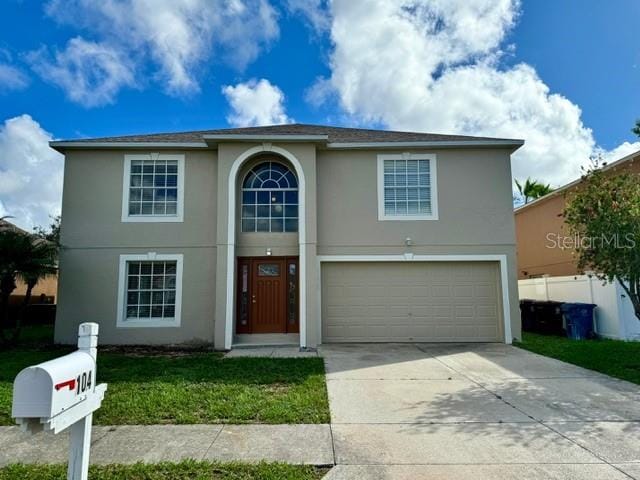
(176, 36)
(30, 173)
(12, 78)
(435, 65)
(621, 151)
(90, 73)
(315, 12)
(255, 103)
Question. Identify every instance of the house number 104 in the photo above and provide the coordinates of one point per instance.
(83, 382)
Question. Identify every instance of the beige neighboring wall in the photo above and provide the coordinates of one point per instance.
(537, 228)
(47, 286)
(544, 240)
(93, 237)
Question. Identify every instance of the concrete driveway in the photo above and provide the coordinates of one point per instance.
(485, 411)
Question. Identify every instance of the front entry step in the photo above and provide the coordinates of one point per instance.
(266, 340)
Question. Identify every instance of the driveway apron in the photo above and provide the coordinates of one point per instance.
(476, 411)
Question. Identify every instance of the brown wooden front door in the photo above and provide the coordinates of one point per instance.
(267, 295)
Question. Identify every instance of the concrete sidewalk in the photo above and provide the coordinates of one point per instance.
(298, 444)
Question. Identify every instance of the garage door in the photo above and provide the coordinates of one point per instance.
(411, 302)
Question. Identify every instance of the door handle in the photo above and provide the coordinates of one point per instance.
(253, 299)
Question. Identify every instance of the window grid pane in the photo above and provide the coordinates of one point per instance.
(407, 187)
(151, 290)
(153, 187)
(269, 199)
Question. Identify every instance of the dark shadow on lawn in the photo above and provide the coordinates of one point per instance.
(207, 368)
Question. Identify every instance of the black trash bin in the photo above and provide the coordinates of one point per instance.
(547, 317)
(579, 318)
(527, 315)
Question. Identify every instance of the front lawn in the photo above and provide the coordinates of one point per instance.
(191, 388)
(613, 357)
(188, 470)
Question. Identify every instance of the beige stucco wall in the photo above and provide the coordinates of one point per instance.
(93, 236)
(474, 202)
(89, 281)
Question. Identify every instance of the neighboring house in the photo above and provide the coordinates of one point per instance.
(545, 245)
(291, 233)
(45, 290)
(547, 268)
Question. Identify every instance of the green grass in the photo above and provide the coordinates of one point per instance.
(188, 470)
(191, 388)
(613, 357)
(36, 335)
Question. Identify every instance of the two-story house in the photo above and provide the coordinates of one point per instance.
(288, 234)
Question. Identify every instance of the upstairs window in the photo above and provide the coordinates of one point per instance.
(270, 199)
(153, 188)
(407, 187)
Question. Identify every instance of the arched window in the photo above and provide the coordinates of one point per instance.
(270, 199)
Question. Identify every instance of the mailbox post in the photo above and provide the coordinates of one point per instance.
(80, 443)
(62, 393)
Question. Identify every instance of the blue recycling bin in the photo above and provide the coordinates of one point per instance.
(579, 318)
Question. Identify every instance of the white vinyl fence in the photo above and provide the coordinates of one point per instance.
(615, 317)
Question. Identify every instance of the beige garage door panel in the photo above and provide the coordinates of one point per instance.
(417, 301)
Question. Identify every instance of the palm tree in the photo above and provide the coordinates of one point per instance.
(26, 257)
(532, 189)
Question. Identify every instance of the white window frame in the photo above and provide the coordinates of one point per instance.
(179, 216)
(433, 175)
(122, 321)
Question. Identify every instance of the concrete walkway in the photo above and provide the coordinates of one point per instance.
(299, 444)
(477, 411)
(266, 352)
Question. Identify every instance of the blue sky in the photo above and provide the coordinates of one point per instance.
(150, 109)
(587, 50)
(563, 75)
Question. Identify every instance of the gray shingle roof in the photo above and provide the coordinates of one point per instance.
(335, 135)
(4, 224)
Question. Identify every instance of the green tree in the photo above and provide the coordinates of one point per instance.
(50, 233)
(636, 129)
(26, 257)
(532, 189)
(604, 214)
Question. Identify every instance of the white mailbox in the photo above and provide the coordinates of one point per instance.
(57, 387)
(60, 393)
